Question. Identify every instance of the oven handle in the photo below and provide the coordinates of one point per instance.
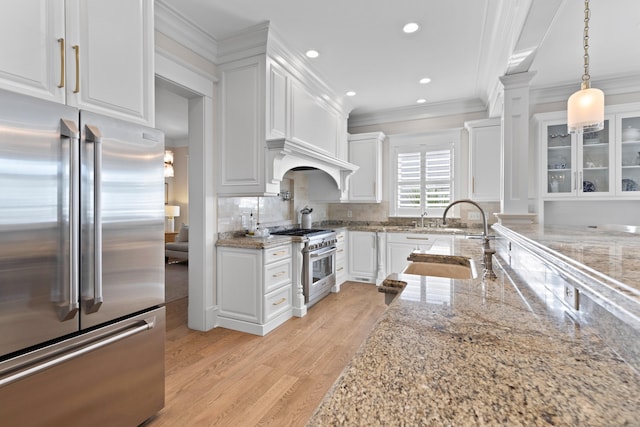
(330, 250)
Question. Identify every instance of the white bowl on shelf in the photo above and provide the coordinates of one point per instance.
(631, 134)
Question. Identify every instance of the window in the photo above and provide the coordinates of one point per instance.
(424, 179)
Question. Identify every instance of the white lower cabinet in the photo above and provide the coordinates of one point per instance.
(363, 256)
(255, 288)
(341, 259)
(400, 246)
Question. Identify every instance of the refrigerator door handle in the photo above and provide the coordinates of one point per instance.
(94, 136)
(135, 328)
(69, 309)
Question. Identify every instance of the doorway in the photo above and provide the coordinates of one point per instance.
(198, 91)
(172, 118)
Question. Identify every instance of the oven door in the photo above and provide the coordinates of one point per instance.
(320, 274)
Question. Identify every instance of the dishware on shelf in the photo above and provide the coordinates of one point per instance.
(629, 185)
(588, 187)
(630, 134)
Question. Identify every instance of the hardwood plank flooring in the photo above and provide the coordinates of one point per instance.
(229, 378)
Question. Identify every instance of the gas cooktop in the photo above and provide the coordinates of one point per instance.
(301, 232)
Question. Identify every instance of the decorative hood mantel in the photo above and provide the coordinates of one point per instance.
(284, 154)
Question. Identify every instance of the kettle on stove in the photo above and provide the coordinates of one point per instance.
(306, 217)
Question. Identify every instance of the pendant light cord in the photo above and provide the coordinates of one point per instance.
(587, 16)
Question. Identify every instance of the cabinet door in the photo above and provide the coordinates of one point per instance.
(362, 255)
(277, 103)
(365, 183)
(109, 52)
(31, 41)
(596, 164)
(485, 163)
(559, 160)
(242, 118)
(400, 246)
(240, 284)
(628, 155)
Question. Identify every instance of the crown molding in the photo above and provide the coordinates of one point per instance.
(418, 112)
(171, 23)
(617, 85)
(242, 44)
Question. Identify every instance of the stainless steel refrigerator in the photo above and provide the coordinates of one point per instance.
(81, 267)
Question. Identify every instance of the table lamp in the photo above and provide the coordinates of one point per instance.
(171, 212)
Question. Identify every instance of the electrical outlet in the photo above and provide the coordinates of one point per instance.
(572, 297)
(474, 216)
(349, 214)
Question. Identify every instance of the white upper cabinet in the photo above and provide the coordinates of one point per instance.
(578, 165)
(242, 122)
(365, 151)
(484, 157)
(628, 156)
(90, 54)
(603, 164)
(32, 50)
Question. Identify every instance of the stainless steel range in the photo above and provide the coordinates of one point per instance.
(318, 262)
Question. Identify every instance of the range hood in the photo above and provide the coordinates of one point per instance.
(285, 154)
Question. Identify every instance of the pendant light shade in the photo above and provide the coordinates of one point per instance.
(585, 108)
(585, 111)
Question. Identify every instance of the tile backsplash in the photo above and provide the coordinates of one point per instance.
(274, 211)
(271, 211)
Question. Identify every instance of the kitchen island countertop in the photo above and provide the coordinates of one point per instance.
(476, 352)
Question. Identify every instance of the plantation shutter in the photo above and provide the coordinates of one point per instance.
(424, 180)
(437, 172)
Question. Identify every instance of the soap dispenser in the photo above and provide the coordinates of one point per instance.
(252, 224)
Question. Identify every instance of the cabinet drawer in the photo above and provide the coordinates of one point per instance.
(277, 253)
(276, 275)
(277, 302)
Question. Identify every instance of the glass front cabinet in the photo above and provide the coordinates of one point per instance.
(598, 164)
(628, 156)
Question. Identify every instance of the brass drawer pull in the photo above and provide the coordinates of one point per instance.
(340, 268)
(280, 273)
(279, 253)
(283, 299)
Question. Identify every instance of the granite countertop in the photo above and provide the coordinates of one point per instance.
(474, 352)
(614, 254)
(254, 242)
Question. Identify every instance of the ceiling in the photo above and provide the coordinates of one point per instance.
(462, 45)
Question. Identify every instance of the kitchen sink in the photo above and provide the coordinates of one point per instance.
(450, 266)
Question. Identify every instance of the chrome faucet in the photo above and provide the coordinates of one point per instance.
(422, 215)
(487, 252)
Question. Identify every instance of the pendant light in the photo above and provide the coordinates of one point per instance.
(585, 108)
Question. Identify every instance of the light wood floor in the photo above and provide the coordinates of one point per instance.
(228, 378)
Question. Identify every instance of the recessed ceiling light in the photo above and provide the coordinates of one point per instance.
(425, 80)
(421, 101)
(312, 53)
(411, 27)
(351, 93)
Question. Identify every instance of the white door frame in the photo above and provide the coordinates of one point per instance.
(203, 222)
